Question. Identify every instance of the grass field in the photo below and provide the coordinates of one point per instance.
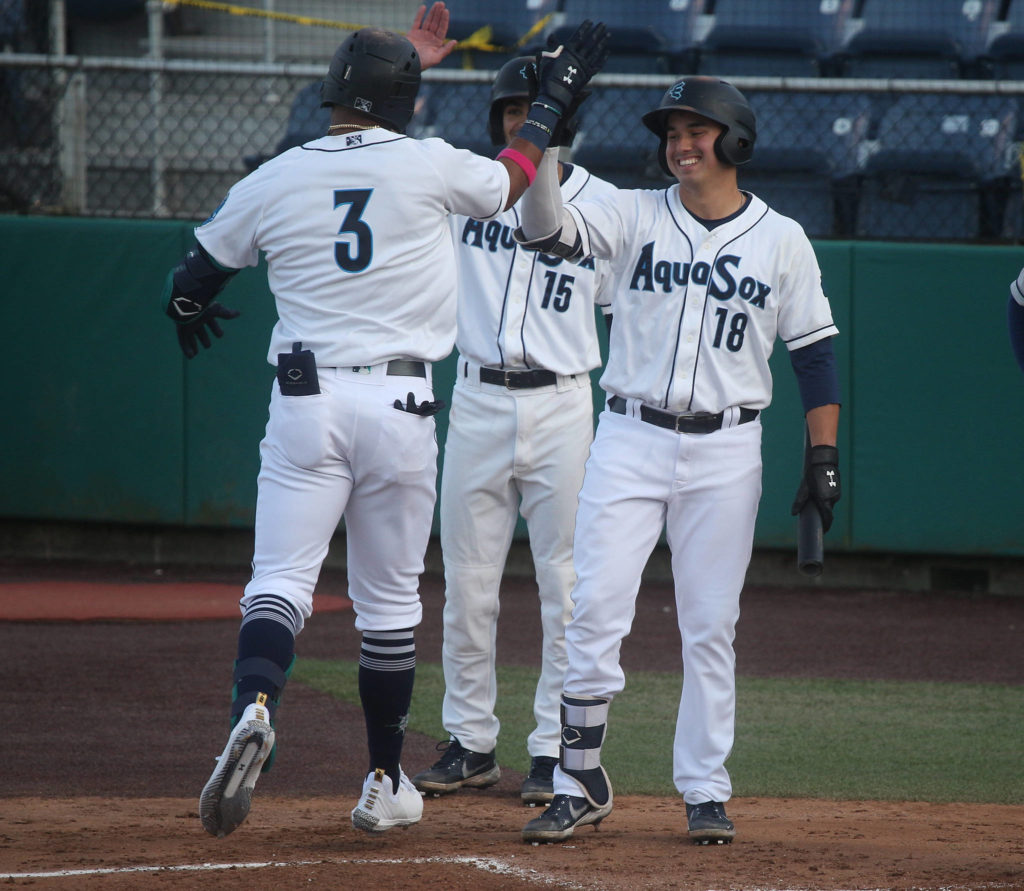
(803, 738)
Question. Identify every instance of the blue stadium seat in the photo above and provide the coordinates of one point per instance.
(636, 50)
(613, 143)
(795, 38)
(1004, 54)
(306, 121)
(675, 21)
(808, 151)
(511, 24)
(455, 112)
(941, 169)
(917, 38)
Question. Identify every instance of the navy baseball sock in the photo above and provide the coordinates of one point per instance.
(387, 666)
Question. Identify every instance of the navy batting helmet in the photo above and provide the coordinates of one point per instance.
(516, 80)
(377, 73)
(716, 100)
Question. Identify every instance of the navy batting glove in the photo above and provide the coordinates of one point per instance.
(820, 483)
(193, 330)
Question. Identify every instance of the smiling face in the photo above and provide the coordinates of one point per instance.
(690, 149)
(513, 116)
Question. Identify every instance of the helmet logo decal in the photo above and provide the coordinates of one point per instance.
(677, 91)
(362, 104)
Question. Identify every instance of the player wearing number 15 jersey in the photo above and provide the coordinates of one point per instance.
(521, 424)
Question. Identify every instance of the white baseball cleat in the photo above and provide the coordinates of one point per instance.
(380, 808)
(227, 795)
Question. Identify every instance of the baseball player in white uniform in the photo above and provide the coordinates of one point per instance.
(520, 429)
(354, 226)
(705, 278)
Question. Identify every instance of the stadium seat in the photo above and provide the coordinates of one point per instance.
(509, 26)
(457, 113)
(917, 38)
(1004, 55)
(631, 50)
(676, 21)
(306, 121)
(613, 143)
(807, 155)
(795, 38)
(941, 169)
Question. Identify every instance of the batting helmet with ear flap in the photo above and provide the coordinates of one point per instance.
(377, 73)
(716, 100)
(517, 79)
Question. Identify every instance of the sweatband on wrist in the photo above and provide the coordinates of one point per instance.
(540, 123)
(522, 162)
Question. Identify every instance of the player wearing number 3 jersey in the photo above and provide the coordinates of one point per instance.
(704, 279)
(354, 226)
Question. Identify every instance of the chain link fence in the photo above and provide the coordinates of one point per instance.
(116, 135)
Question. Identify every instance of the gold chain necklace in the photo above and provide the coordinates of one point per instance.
(331, 130)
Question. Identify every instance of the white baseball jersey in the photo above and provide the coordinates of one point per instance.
(351, 297)
(700, 310)
(527, 310)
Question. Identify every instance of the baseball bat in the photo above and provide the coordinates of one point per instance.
(810, 541)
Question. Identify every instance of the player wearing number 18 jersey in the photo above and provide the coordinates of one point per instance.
(704, 279)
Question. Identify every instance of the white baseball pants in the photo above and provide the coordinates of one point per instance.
(508, 451)
(348, 452)
(704, 489)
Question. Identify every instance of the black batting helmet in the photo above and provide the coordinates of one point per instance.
(375, 72)
(516, 80)
(716, 100)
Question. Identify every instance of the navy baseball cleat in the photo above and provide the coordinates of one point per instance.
(538, 787)
(708, 824)
(562, 816)
(458, 767)
(227, 795)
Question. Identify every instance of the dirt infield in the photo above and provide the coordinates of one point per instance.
(109, 728)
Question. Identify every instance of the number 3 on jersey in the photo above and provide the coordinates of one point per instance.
(359, 235)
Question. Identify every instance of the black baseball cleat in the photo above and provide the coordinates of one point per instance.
(562, 816)
(708, 824)
(457, 767)
(538, 787)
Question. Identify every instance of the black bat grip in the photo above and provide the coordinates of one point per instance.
(810, 539)
(810, 543)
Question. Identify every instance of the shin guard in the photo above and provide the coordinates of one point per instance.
(584, 724)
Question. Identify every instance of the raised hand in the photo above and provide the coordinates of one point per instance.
(428, 35)
(564, 71)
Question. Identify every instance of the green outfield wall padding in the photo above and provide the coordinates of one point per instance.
(107, 421)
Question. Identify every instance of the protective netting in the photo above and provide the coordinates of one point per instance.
(157, 110)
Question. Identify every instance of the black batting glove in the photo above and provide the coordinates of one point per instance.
(563, 71)
(425, 408)
(192, 326)
(820, 483)
(565, 130)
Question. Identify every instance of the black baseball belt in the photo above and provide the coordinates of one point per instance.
(518, 380)
(700, 422)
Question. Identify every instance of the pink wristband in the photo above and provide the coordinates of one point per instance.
(521, 161)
